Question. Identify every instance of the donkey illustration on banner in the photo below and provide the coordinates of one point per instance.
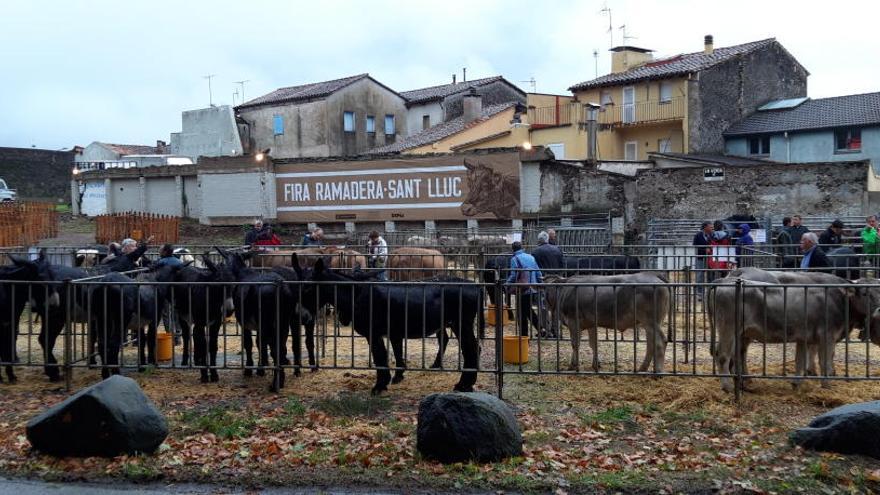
(490, 191)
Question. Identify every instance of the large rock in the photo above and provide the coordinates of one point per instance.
(109, 418)
(850, 429)
(461, 427)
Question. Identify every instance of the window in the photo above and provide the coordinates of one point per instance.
(629, 104)
(558, 150)
(426, 121)
(665, 92)
(371, 124)
(389, 125)
(605, 98)
(348, 121)
(278, 124)
(664, 145)
(759, 145)
(848, 140)
(631, 151)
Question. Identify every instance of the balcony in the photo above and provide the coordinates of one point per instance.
(643, 112)
(557, 115)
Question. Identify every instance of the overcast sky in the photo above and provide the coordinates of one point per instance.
(74, 72)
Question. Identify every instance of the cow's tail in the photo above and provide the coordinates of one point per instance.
(481, 314)
(709, 298)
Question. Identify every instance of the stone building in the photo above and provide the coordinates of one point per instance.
(677, 104)
(841, 128)
(427, 107)
(342, 117)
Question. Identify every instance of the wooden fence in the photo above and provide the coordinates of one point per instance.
(25, 223)
(138, 226)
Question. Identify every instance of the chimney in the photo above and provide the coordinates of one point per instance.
(453, 79)
(464, 74)
(624, 58)
(472, 105)
(160, 147)
(591, 110)
(708, 45)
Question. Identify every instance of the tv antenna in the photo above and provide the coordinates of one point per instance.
(241, 83)
(626, 36)
(210, 94)
(533, 83)
(234, 94)
(606, 10)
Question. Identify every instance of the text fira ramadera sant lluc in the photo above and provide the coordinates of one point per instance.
(390, 189)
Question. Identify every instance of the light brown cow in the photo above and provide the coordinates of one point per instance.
(413, 263)
(339, 258)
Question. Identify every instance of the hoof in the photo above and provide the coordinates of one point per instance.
(377, 390)
(12, 379)
(313, 369)
(248, 372)
(105, 373)
(261, 372)
(397, 378)
(214, 376)
(54, 378)
(435, 366)
(203, 378)
(463, 388)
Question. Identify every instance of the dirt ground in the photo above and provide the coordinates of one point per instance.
(582, 433)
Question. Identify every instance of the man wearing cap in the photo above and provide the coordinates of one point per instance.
(833, 235)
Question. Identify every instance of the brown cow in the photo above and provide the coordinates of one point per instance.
(339, 258)
(414, 263)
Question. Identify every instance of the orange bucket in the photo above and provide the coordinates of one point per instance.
(137, 234)
(163, 347)
(490, 315)
(515, 350)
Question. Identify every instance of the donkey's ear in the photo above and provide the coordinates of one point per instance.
(319, 266)
(294, 262)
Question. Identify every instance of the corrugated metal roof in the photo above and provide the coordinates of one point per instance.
(822, 113)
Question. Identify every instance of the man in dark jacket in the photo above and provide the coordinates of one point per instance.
(548, 257)
(796, 231)
(703, 249)
(814, 258)
(833, 235)
(259, 231)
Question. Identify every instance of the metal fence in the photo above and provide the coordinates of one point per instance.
(651, 323)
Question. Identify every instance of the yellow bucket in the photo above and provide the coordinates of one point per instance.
(515, 350)
(137, 234)
(490, 315)
(163, 347)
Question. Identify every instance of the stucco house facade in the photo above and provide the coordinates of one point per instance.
(342, 117)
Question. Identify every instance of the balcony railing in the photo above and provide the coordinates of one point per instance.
(562, 114)
(642, 112)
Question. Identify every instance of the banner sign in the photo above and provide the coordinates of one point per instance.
(435, 188)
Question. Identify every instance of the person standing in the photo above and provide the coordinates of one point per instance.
(257, 232)
(787, 247)
(797, 230)
(378, 254)
(551, 234)
(702, 250)
(744, 238)
(833, 235)
(524, 270)
(870, 240)
(314, 238)
(167, 258)
(814, 258)
(720, 242)
(549, 258)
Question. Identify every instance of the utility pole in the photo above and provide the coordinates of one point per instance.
(210, 95)
(596, 61)
(234, 94)
(241, 83)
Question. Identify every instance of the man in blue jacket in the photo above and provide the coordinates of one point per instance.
(524, 270)
(744, 239)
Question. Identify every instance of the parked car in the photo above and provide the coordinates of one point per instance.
(6, 194)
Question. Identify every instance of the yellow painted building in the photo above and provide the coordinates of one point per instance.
(678, 104)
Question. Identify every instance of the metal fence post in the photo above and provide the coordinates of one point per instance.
(737, 342)
(280, 354)
(499, 333)
(68, 334)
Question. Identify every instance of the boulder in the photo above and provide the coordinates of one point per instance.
(849, 429)
(461, 427)
(109, 418)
